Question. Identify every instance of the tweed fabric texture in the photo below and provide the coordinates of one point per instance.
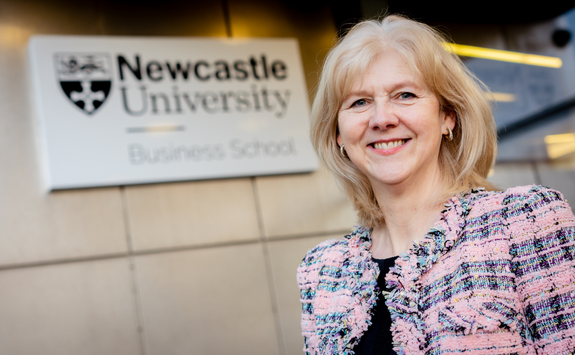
(495, 275)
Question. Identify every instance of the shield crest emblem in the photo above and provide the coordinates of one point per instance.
(85, 78)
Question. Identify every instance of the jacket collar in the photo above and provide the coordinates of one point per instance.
(404, 279)
(349, 312)
(352, 311)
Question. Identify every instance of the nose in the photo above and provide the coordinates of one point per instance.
(383, 116)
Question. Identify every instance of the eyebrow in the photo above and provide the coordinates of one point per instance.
(396, 86)
(405, 83)
(355, 93)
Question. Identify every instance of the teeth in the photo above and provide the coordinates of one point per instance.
(389, 145)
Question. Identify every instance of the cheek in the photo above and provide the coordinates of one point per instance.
(350, 129)
(429, 122)
(343, 131)
(349, 137)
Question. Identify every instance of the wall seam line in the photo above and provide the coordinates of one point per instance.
(134, 275)
(177, 249)
(62, 261)
(309, 235)
(269, 272)
(535, 169)
(227, 20)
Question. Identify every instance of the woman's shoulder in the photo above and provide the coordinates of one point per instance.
(532, 196)
(333, 250)
(331, 246)
(531, 193)
(519, 206)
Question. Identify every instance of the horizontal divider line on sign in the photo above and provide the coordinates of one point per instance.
(156, 129)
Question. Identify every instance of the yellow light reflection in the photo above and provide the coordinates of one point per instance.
(500, 97)
(559, 145)
(504, 56)
(560, 138)
(13, 36)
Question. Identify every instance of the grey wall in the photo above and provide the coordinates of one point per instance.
(203, 267)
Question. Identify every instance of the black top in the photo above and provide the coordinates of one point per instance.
(377, 339)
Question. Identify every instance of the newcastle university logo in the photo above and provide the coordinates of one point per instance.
(85, 78)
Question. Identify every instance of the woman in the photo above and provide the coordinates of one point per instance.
(409, 135)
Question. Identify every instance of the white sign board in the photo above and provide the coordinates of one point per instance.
(130, 110)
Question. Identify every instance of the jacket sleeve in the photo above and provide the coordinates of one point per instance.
(307, 281)
(542, 247)
(308, 278)
(307, 316)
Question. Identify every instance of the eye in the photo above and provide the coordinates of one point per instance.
(406, 95)
(359, 103)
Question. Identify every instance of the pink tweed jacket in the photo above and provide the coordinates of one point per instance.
(496, 275)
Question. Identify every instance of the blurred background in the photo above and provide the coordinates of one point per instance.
(208, 267)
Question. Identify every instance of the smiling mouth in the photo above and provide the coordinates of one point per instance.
(389, 145)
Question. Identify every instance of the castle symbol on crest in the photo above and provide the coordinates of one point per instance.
(85, 78)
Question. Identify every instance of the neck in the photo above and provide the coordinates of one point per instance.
(409, 210)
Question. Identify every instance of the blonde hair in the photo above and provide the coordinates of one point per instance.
(465, 161)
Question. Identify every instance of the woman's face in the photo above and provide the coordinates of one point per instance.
(392, 125)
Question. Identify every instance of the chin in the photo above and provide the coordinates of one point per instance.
(389, 180)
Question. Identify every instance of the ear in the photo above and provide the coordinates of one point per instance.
(448, 121)
(339, 140)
